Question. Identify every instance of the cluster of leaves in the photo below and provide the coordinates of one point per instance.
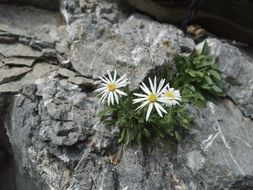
(197, 77)
(135, 129)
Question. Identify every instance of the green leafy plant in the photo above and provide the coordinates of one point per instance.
(161, 112)
(197, 77)
(134, 129)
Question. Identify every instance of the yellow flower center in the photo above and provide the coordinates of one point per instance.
(152, 98)
(111, 87)
(170, 94)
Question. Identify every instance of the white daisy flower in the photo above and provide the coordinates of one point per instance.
(152, 98)
(110, 87)
(173, 96)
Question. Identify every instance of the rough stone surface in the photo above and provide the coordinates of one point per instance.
(139, 43)
(218, 153)
(66, 73)
(48, 72)
(39, 70)
(7, 75)
(83, 82)
(18, 61)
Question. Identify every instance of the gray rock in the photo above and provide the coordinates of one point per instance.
(82, 139)
(60, 143)
(7, 75)
(39, 70)
(18, 61)
(218, 153)
(18, 20)
(7, 39)
(18, 50)
(1, 64)
(83, 82)
(66, 73)
(3, 27)
(138, 48)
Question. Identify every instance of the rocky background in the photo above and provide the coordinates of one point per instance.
(49, 63)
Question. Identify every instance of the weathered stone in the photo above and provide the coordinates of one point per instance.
(49, 53)
(18, 20)
(137, 50)
(59, 142)
(1, 64)
(66, 134)
(7, 39)
(18, 50)
(217, 154)
(66, 73)
(18, 61)
(39, 70)
(83, 82)
(3, 27)
(7, 75)
(59, 112)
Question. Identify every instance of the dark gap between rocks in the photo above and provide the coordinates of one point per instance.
(7, 164)
(51, 5)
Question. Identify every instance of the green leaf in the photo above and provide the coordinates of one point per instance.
(127, 136)
(217, 89)
(106, 112)
(208, 80)
(139, 138)
(215, 74)
(195, 73)
(178, 136)
(205, 63)
(122, 135)
(206, 86)
(205, 49)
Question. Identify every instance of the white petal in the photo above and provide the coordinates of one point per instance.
(109, 99)
(120, 92)
(142, 105)
(121, 78)
(105, 80)
(115, 75)
(122, 83)
(150, 107)
(109, 75)
(158, 110)
(164, 89)
(155, 85)
(151, 85)
(116, 97)
(160, 86)
(112, 99)
(161, 108)
(140, 95)
(102, 99)
(100, 89)
(137, 100)
(102, 92)
(163, 100)
(145, 88)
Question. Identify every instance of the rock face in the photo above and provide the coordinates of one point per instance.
(49, 71)
(45, 4)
